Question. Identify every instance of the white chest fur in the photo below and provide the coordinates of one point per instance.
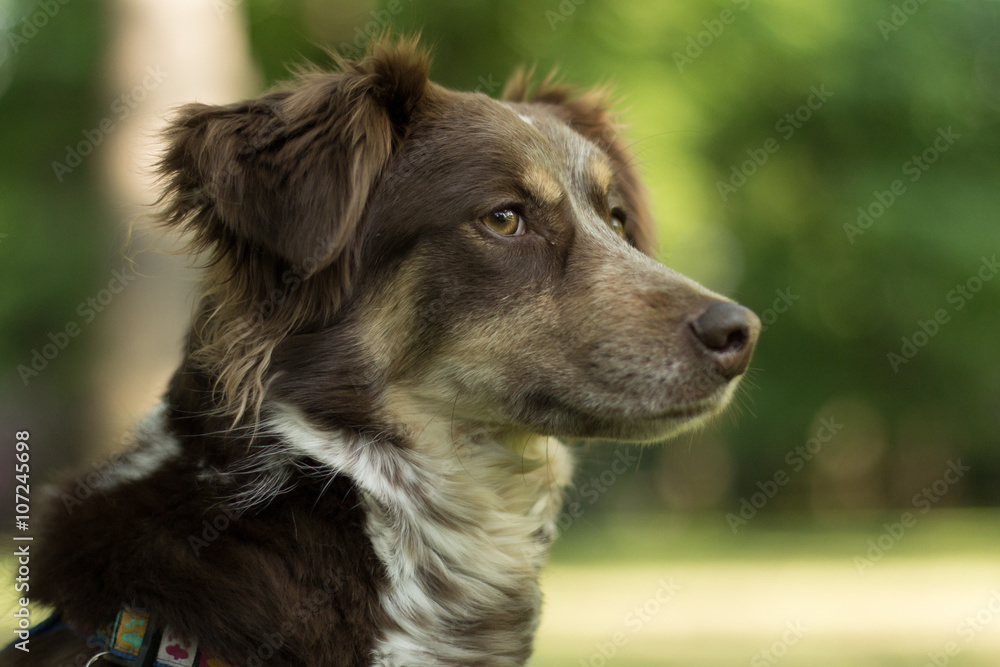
(462, 524)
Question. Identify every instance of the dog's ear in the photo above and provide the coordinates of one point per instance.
(590, 114)
(289, 174)
(274, 189)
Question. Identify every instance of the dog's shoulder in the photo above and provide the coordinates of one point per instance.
(167, 528)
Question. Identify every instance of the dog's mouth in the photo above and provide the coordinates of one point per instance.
(692, 410)
(621, 421)
(668, 423)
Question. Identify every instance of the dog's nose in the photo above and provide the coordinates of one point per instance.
(729, 331)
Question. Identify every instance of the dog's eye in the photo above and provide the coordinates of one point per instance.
(618, 223)
(504, 222)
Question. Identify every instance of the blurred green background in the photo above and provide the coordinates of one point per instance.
(833, 165)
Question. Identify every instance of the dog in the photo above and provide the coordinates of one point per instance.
(414, 298)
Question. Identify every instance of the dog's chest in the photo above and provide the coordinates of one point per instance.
(463, 564)
(462, 528)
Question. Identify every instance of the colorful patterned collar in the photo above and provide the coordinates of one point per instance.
(131, 642)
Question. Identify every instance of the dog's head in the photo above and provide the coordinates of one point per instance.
(382, 245)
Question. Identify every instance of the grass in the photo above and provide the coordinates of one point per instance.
(639, 591)
(739, 594)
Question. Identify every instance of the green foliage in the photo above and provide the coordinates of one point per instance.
(55, 231)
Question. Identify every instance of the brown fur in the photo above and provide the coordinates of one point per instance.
(591, 115)
(275, 189)
(302, 558)
(373, 373)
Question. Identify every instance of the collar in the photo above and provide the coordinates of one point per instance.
(131, 641)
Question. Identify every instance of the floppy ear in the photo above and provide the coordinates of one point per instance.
(289, 174)
(589, 113)
(275, 189)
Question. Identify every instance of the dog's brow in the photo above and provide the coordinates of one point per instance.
(543, 186)
(601, 175)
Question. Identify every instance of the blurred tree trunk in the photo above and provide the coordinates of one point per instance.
(162, 55)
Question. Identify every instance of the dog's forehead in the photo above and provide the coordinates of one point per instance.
(583, 159)
(527, 133)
